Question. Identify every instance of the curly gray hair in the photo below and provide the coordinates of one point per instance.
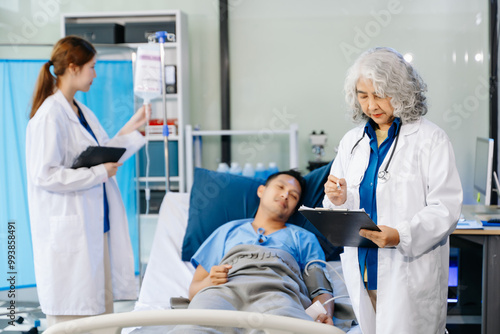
(391, 76)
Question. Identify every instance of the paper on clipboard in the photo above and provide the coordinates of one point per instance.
(340, 226)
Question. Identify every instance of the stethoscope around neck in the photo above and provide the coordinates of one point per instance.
(383, 175)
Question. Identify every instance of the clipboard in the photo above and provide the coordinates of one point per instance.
(341, 227)
(96, 155)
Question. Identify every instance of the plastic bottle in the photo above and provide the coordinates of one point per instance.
(260, 171)
(223, 168)
(248, 170)
(235, 168)
(147, 81)
(147, 85)
(273, 168)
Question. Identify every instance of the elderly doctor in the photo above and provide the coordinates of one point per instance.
(400, 168)
(76, 214)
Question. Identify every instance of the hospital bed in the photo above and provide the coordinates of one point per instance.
(168, 276)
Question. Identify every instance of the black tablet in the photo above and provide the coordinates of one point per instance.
(96, 155)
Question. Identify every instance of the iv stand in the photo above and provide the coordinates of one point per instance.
(162, 35)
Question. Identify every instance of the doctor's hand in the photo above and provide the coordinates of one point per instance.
(388, 237)
(137, 120)
(112, 168)
(336, 190)
(218, 274)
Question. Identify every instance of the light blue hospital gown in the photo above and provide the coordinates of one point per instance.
(300, 243)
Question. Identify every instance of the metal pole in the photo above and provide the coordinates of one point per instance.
(225, 84)
(189, 155)
(162, 35)
(493, 114)
(294, 144)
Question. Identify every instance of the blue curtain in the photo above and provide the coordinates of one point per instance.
(110, 98)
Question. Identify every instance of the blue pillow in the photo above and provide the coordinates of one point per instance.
(218, 198)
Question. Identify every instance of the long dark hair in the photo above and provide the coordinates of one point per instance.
(68, 50)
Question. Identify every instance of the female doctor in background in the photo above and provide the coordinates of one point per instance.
(76, 214)
(400, 168)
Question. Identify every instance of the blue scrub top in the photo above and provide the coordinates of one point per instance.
(87, 127)
(300, 243)
(368, 257)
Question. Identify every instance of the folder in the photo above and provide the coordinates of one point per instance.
(340, 226)
(96, 155)
(487, 219)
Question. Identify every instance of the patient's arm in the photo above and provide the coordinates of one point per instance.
(328, 317)
(320, 288)
(203, 279)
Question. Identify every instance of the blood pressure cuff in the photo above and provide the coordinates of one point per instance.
(317, 280)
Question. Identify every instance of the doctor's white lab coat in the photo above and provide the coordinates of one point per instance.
(66, 212)
(422, 200)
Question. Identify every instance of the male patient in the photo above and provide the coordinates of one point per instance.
(258, 264)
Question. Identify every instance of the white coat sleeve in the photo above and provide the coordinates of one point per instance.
(443, 201)
(48, 162)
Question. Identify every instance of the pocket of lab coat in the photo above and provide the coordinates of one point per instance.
(66, 233)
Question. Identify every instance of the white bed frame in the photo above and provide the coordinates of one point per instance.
(292, 132)
(113, 323)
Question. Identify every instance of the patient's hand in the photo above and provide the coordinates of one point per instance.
(218, 274)
(325, 319)
(329, 306)
(203, 278)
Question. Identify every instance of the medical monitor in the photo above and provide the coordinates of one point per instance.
(483, 170)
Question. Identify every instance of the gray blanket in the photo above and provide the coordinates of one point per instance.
(261, 280)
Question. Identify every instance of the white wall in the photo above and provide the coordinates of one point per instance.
(292, 57)
(289, 58)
